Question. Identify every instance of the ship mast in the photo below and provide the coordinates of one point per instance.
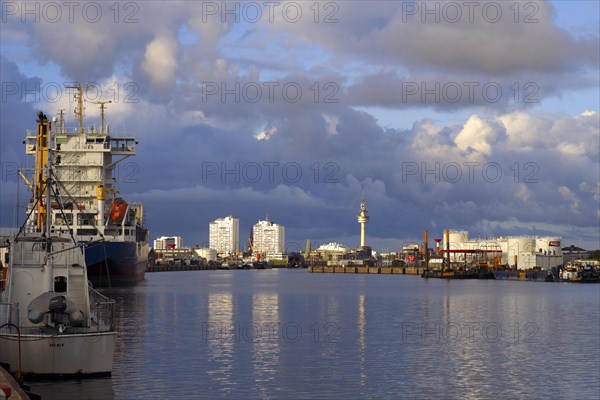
(102, 103)
(41, 163)
(79, 98)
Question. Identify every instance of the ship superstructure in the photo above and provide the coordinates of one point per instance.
(91, 210)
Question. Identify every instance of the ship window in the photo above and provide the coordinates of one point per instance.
(60, 219)
(88, 232)
(60, 284)
(86, 219)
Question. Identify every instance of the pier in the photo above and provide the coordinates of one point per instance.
(339, 269)
(181, 267)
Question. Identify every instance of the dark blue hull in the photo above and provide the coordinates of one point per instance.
(114, 263)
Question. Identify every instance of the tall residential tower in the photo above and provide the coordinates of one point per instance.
(224, 235)
(268, 239)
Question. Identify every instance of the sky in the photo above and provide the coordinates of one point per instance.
(482, 116)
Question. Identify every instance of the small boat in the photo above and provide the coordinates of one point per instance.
(570, 274)
(260, 265)
(52, 321)
(580, 271)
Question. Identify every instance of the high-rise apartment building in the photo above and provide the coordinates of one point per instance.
(224, 235)
(268, 239)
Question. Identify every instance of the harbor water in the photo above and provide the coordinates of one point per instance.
(291, 334)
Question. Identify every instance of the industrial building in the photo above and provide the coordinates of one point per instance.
(331, 251)
(521, 252)
(168, 242)
(224, 235)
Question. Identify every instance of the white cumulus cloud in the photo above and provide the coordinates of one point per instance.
(160, 61)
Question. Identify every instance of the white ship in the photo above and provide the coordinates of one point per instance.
(52, 322)
(85, 162)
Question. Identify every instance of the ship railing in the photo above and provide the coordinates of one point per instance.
(102, 311)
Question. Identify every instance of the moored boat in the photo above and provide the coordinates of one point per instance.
(580, 271)
(52, 321)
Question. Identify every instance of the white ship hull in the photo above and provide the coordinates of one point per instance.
(71, 354)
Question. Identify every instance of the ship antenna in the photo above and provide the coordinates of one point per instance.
(102, 103)
(62, 120)
(79, 98)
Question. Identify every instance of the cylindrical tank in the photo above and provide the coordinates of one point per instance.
(502, 242)
(520, 245)
(207, 253)
(550, 245)
(489, 245)
(456, 239)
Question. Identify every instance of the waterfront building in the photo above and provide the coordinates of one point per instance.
(573, 253)
(268, 240)
(224, 235)
(521, 252)
(168, 242)
(331, 251)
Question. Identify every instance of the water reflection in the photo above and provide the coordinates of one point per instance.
(220, 334)
(362, 344)
(264, 332)
(210, 334)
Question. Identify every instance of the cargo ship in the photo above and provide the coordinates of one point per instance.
(90, 209)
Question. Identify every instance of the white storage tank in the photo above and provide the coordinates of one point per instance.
(207, 253)
(489, 245)
(519, 246)
(456, 239)
(466, 246)
(548, 245)
(502, 242)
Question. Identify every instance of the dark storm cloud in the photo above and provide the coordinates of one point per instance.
(461, 91)
(16, 115)
(17, 109)
(484, 37)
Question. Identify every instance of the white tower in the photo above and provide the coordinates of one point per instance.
(362, 220)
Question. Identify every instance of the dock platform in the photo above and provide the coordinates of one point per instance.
(329, 269)
(178, 267)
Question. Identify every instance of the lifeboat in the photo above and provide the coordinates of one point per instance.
(118, 210)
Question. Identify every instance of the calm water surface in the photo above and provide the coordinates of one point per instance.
(292, 334)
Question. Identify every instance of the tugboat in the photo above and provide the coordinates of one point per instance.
(85, 162)
(580, 271)
(52, 322)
